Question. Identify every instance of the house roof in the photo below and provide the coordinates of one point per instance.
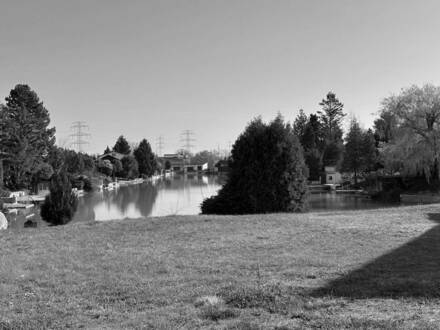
(113, 154)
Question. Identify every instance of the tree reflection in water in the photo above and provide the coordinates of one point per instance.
(179, 194)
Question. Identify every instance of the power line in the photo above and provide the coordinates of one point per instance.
(78, 136)
(187, 139)
(159, 145)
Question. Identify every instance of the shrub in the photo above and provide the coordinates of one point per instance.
(267, 173)
(130, 168)
(88, 187)
(105, 167)
(60, 205)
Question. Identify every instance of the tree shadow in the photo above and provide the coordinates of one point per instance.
(411, 270)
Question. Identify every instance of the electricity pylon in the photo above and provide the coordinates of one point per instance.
(79, 137)
(187, 140)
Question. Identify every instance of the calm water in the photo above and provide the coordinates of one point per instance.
(180, 195)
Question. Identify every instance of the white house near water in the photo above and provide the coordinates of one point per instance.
(332, 176)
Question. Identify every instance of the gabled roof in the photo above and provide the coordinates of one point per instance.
(113, 154)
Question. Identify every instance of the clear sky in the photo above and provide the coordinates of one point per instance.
(150, 68)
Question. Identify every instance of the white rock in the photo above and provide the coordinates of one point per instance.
(3, 221)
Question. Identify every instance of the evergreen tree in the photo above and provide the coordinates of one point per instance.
(26, 138)
(122, 146)
(360, 153)
(107, 150)
(353, 155)
(267, 173)
(130, 167)
(331, 118)
(313, 143)
(145, 158)
(369, 151)
(300, 123)
(60, 205)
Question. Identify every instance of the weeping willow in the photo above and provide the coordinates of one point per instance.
(414, 147)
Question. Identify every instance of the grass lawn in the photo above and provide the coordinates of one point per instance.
(354, 269)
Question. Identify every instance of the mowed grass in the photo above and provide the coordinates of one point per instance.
(356, 269)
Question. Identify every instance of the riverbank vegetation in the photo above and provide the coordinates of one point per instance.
(375, 269)
(29, 155)
(267, 173)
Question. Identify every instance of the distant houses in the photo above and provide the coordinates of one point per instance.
(179, 163)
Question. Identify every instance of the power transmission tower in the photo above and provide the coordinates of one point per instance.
(187, 140)
(79, 137)
(159, 145)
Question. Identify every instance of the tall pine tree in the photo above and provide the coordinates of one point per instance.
(353, 155)
(122, 146)
(26, 137)
(331, 118)
(145, 158)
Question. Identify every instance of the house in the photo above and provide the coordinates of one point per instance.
(181, 164)
(332, 176)
(111, 156)
(173, 162)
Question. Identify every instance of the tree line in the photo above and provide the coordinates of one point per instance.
(321, 135)
(271, 162)
(404, 139)
(28, 153)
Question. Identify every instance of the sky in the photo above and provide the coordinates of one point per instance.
(145, 69)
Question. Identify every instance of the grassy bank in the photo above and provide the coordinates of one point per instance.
(369, 269)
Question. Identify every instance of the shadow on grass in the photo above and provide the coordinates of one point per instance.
(412, 270)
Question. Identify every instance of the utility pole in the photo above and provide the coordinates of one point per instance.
(187, 140)
(79, 137)
(159, 145)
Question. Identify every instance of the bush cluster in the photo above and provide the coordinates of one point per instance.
(267, 173)
(60, 205)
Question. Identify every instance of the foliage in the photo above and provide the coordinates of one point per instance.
(117, 166)
(267, 172)
(60, 205)
(73, 162)
(331, 118)
(130, 168)
(81, 182)
(370, 152)
(44, 172)
(353, 153)
(145, 158)
(300, 123)
(107, 150)
(385, 125)
(26, 138)
(413, 132)
(122, 146)
(105, 167)
(312, 141)
(360, 153)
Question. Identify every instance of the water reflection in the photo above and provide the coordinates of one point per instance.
(342, 201)
(181, 195)
(174, 195)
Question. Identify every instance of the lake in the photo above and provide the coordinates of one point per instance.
(180, 195)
